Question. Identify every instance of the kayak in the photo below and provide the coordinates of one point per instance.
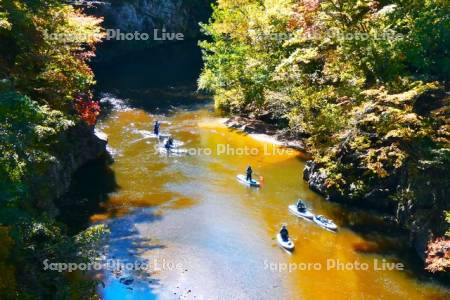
(288, 245)
(306, 214)
(243, 179)
(325, 223)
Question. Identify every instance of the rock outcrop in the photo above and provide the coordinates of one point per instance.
(175, 17)
(422, 221)
(76, 146)
(315, 177)
(146, 15)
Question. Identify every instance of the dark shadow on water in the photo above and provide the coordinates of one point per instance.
(383, 237)
(90, 187)
(127, 246)
(154, 79)
(174, 64)
(125, 241)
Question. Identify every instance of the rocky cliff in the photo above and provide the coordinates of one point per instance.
(145, 15)
(76, 146)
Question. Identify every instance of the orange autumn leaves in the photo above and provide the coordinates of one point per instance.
(88, 110)
(438, 255)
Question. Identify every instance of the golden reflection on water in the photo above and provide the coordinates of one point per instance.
(148, 179)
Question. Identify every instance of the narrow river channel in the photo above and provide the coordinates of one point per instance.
(206, 236)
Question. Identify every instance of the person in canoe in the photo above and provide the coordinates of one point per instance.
(284, 233)
(301, 207)
(156, 127)
(169, 143)
(249, 173)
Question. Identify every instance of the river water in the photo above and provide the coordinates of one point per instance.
(202, 235)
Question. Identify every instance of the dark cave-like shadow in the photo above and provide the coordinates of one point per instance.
(155, 79)
(383, 237)
(90, 187)
(168, 65)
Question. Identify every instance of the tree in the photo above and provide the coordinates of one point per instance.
(45, 49)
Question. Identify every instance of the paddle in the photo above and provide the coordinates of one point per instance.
(261, 179)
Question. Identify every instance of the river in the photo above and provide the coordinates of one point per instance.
(202, 235)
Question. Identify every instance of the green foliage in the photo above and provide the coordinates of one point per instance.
(27, 132)
(44, 50)
(426, 46)
(314, 52)
(386, 137)
(365, 81)
(242, 58)
(40, 242)
(447, 218)
(90, 240)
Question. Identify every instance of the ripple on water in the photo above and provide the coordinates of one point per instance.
(195, 210)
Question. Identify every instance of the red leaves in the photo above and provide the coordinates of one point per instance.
(311, 5)
(374, 6)
(305, 17)
(87, 109)
(438, 259)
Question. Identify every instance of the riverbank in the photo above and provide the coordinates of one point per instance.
(376, 124)
(418, 227)
(264, 132)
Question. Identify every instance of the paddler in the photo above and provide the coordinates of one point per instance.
(156, 127)
(249, 173)
(284, 233)
(169, 143)
(301, 206)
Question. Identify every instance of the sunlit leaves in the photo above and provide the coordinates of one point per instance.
(28, 130)
(88, 110)
(447, 218)
(438, 255)
(90, 240)
(45, 55)
(44, 50)
(4, 23)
